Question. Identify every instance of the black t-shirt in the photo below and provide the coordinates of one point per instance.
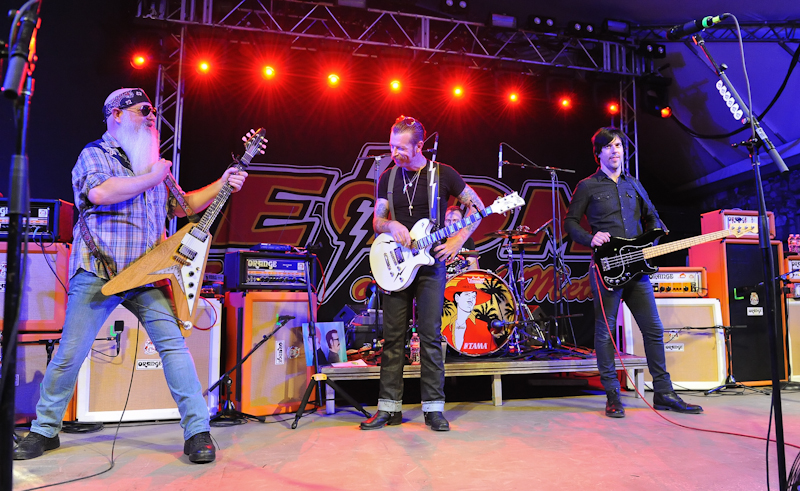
(450, 184)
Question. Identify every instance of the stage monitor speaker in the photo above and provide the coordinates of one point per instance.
(695, 357)
(105, 376)
(793, 328)
(736, 276)
(31, 364)
(44, 300)
(273, 379)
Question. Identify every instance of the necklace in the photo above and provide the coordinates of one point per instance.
(407, 184)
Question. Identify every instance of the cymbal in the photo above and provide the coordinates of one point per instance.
(467, 253)
(509, 234)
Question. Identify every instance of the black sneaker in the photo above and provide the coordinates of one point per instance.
(34, 445)
(200, 448)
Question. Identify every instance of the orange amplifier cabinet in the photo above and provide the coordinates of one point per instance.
(725, 219)
(792, 263)
(679, 282)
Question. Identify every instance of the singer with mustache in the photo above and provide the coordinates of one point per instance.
(118, 182)
(615, 204)
(413, 178)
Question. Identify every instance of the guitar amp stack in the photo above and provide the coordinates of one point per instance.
(265, 270)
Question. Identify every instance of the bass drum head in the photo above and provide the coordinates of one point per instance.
(472, 300)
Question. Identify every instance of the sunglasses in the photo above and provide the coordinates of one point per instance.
(144, 111)
(405, 120)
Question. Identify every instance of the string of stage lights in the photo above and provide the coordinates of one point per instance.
(511, 96)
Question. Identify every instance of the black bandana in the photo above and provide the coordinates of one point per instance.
(125, 99)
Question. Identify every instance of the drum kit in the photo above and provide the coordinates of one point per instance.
(485, 315)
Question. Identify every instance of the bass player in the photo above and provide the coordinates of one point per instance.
(615, 204)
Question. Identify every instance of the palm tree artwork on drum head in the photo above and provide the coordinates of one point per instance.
(474, 299)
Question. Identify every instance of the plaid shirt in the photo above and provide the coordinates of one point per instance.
(123, 231)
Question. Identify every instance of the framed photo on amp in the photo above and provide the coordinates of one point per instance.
(329, 339)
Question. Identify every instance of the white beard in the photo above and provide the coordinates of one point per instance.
(140, 144)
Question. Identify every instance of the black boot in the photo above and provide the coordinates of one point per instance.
(437, 421)
(34, 445)
(200, 448)
(669, 401)
(614, 407)
(381, 419)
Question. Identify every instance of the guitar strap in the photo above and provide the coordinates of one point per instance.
(433, 191)
(647, 201)
(390, 191)
(93, 249)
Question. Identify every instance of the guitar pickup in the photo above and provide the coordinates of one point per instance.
(185, 251)
(398, 255)
(198, 234)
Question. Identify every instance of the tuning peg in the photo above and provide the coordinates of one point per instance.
(244, 138)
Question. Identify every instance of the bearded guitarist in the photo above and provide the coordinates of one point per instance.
(124, 203)
(416, 188)
(616, 205)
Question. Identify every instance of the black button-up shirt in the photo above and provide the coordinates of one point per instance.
(613, 207)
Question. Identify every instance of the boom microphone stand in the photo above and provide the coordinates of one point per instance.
(555, 238)
(17, 85)
(758, 138)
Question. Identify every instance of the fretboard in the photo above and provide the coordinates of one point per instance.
(678, 245)
(445, 232)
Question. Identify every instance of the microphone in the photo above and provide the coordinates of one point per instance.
(428, 150)
(500, 163)
(119, 326)
(694, 26)
(499, 324)
(367, 157)
(285, 318)
(22, 52)
(548, 222)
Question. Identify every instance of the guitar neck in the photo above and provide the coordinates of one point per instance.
(446, 232)
(678, 245)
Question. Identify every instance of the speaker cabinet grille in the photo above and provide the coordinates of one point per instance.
(104, 378)
(273, 379)
(695, 357)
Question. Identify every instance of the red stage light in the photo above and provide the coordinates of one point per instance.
(203, 66)
(333, 80)
(513, 97)
(565, 102)
(138, 61)
(613, 108)
(666, 112)
(395, 86)
(268, 72)
(458, 91)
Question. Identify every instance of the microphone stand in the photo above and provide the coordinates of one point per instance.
(758, 139)
(555, 238)
(229, 415)
(18, 85)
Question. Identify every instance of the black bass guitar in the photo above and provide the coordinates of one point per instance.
(620, 261)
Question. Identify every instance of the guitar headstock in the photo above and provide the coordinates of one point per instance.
(508, 202)
(254, 143)
(744, 229)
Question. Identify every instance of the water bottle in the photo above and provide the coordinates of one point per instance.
(413, 347)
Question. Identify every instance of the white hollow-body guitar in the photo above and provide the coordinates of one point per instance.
(181, 258)
(394, 266)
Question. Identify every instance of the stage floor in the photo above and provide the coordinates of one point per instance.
(549, 443)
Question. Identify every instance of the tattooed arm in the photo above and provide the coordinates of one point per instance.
(381, 224)
(452, 246)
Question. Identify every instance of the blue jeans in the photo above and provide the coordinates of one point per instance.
(638, 296)
(428, 289)
(87, 311)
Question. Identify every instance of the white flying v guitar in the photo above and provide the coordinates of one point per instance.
(182, 257)
(394, 266)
